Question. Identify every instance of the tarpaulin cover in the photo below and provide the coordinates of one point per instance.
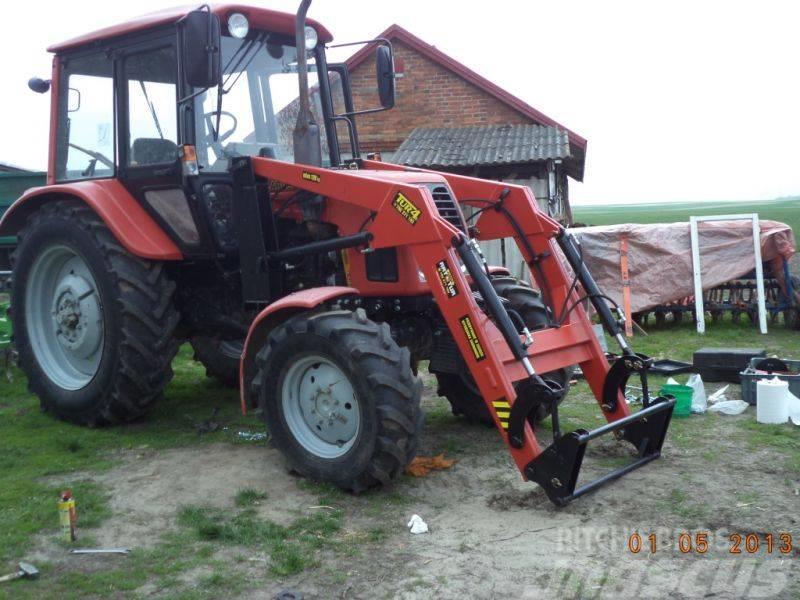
(660, 256)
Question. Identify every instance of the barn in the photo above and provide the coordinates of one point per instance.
(449, 118)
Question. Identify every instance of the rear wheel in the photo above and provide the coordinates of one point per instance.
(460, 388)
(339, 398)
(93, 324)
(220, 357)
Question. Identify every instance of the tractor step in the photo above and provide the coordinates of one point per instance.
(556, 469)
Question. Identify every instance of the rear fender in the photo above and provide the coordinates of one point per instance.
(272, 316)
(138, 233)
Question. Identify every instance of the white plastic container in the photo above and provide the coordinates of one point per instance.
(772, 401)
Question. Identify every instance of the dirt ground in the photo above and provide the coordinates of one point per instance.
(491, 534)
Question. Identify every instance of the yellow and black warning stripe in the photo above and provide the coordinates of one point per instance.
(503, 411)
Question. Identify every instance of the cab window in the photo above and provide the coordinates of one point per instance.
(257, 111)
(86, 119)
(152, 118)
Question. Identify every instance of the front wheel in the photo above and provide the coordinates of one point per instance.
(94, 325)
(339, 398)
(460, 388)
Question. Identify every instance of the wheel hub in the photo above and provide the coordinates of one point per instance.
(320, 406)
(76, 316)
(64, 316)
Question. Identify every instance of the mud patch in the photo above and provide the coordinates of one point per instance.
(149, 488)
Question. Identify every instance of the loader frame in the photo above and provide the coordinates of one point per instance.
(402, 214)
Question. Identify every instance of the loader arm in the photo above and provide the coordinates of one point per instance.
(405, 215)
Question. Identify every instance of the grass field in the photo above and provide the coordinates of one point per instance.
(786, 211)
(203, 549)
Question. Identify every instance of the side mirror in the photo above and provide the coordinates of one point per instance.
(384, 66)
(38, 85)
(200, 48)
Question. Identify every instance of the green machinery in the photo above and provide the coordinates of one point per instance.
(12, 185)
(5, 327)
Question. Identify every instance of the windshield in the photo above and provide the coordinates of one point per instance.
(259, 104)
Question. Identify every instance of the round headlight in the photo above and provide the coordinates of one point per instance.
(311, 38)
(238, 25)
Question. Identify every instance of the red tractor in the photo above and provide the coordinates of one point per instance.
(194, 195)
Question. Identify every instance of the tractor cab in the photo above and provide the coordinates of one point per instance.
(163, 104)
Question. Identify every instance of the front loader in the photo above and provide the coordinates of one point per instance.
(208, 206)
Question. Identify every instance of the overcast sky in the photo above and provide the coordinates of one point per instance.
(695, 100)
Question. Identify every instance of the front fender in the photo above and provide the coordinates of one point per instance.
(136, 230)
(273, 315)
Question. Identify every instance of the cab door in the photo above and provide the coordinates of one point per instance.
(150, 139)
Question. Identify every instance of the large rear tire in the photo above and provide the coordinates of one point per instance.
(339, 398)
(93, 324)
(460, 388)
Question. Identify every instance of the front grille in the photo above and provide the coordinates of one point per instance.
(448, 209)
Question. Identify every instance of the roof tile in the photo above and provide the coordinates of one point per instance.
(485, 145)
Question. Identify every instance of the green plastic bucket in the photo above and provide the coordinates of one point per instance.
(683, 398)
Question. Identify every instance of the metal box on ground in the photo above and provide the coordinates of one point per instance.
(751, 375)
(724, 364)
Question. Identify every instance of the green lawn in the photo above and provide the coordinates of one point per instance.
(784, 210)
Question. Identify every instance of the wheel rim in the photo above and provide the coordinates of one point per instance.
(320, 406)
(64, 317)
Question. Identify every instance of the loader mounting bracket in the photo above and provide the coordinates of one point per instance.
(542, 391)
(556, 469)
(618, 375)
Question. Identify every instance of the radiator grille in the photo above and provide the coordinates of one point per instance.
(448, 209)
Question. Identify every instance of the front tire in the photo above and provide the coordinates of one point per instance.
(339, 398)
(460, 388)
(94, 325)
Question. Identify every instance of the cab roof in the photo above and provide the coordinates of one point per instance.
(260, 18)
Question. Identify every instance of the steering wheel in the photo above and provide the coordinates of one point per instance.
(95, 156)
(209, 118)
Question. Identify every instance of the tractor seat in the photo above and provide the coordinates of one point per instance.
(153, 151)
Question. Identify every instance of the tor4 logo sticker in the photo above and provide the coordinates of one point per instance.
(406, 208)
(446, 277)
(472, 338)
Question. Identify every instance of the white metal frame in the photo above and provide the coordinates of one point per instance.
(698, 284)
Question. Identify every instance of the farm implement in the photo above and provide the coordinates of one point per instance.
(216, 209)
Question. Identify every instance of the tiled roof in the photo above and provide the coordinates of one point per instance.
(486, 145)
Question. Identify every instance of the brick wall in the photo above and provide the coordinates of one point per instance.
(428, 95)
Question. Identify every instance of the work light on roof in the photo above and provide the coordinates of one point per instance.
(238, 25)
(311, 38)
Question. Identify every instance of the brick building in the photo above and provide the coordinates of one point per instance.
(447, 117)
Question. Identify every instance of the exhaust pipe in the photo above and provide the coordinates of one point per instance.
(307, 146)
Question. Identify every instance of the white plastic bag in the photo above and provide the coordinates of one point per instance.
(729, 407)
(699, 400)
(719, 395)
(794, 409)
(417, 525)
